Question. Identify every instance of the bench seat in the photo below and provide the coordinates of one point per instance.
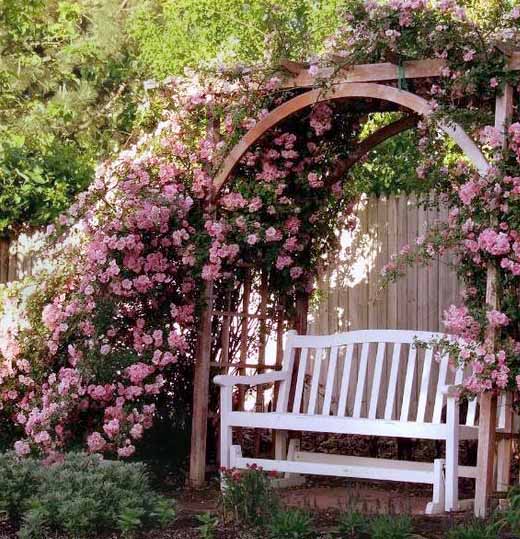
(348, 425)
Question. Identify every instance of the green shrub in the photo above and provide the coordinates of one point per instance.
(81, 495)
(291, 524)
(510, 517)
(248, 497)
(208, 525)
(352, 525)
(474, 530)
(388, 527)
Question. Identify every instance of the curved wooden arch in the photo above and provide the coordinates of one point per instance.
(345, 90)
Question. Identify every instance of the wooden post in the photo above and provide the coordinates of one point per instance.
(199, 420)
(226, 327)
(244, 335)
(488, 401)
(201, 393)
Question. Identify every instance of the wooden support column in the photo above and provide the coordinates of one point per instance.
(244, 335)
(199, 423)
(488, 402)
(199, 420)
(262, 341)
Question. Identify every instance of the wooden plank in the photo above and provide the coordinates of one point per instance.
(4, 260)
(345, 380)
(368, 73)
(300, 381)
(244, 331)
(315, 381)
(439, 396)
(425, 385)
(376, 383)
(331, 375)
(360, 388)
(392, 383)
(407, 395)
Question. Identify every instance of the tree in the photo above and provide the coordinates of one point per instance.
(65, 74)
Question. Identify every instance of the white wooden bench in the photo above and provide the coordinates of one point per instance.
(374, 383)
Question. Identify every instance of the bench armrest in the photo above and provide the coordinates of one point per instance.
(255, 380)
(451, 391)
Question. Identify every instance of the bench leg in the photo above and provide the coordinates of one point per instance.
(280, 444)
(505, 447)
(452, 455)
(437, 505)
(289, 479)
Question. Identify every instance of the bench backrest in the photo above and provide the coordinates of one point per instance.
(374, 374)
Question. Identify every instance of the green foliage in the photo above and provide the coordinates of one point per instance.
(65, 78)
(291, 524)
(510, 518)
(391, 527)
(208, 525)
(476, 529)
(391, 167)
(81, 495)
(174, 34)
(248, 497)
(352, 525)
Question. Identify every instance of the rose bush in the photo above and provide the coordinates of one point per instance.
(89, 346)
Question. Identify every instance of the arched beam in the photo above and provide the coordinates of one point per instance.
(405, 99)
(342, 166)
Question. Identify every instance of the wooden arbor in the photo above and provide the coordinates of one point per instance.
(361, 81)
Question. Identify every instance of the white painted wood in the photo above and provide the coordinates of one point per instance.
(226, 432)
(345, 381)
(472, 412)
(437, 505)
(287, 366)
(452, 454)
(315, 381)
(361, 380)
(329, 386)
(425, 385)
(293, 461)
(505, 448)
(257, 379)
(410, 370)
(439, 396)
(392, 383)
(300, 380)
(376, 384)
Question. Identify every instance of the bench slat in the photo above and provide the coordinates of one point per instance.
(439, 396)
(472, 412)
(302, 369)
(376, 384)
(392, 383)
(360, 389)
(315, 382)
(331, 374)
(425, 385)
(410, 371)
(345, 381)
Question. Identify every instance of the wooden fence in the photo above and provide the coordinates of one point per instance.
(350, 297)
(14, 263)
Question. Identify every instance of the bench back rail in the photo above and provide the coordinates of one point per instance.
(360, 374)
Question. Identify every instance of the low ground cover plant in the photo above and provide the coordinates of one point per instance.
(81, 495)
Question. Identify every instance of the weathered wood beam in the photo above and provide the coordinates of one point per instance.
(201, 393)
(384, 71)
(342, 166)
(488, 402)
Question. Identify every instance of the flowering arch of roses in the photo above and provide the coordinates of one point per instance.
(88, 345)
